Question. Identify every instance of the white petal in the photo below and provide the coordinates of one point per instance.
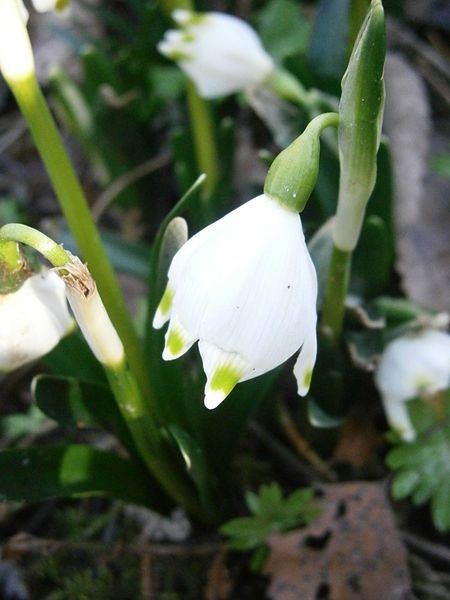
(164, 310)
(223, 371)
(178, 340)
(182, 16)
(304, 365)
(247, 283)
(32, 320)
(398, 418)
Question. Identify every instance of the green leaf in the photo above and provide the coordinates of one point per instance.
(373, 259)
(197, 467)
(440, 507)
(440, 163)
(34, 474)
(328, 52)
(73, 404)
(283, 29)
(422, 467)
(20, 424)
(404, 483)
(72, 357)
(271, 513)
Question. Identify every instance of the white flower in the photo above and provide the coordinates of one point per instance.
(32, 320)
(410, 366)
(16, 54)
(245, 288)
(219, 52)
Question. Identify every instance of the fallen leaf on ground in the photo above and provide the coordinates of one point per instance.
(352, 551)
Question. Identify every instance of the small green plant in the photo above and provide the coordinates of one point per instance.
(422, 466)
(271, 513)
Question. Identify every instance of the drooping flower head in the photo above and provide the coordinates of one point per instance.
(220, 53)
(245, 288)
(33, 320)
(412, 365)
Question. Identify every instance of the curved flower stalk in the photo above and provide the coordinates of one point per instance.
(33, 320)
(220, 53)
(411, 366)
(245, 288)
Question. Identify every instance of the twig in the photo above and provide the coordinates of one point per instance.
(23, 544)
(429, 548)
(125, 180)
(302, 446)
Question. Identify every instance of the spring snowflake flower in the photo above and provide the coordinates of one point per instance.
(411, 366)
(220, 53)
(245, 288)
(33, 320)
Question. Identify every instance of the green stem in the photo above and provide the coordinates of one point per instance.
(10, 256)
(76, 211)
(53, 252)
(336, 292)
(202, 127)
(148, 439)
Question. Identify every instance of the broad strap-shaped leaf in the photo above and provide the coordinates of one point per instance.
(197, 467)
(34, 474)
(74, 404)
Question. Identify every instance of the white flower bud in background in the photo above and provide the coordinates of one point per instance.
(220, 53)
(33, 320)
(245, 288)
(411, 366)
(16, 55)
(90, 313)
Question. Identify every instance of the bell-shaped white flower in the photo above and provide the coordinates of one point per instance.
(245, 288)
(412, 365)
(33, 319)
(220, 53)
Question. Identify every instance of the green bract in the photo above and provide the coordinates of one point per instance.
(293, 174)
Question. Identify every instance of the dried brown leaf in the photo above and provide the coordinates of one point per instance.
(352, 551)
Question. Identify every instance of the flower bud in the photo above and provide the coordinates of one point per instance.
(16, 55)
(293, 174)
(413, 365)
(220, 53)
(360, 120)
(33, 319)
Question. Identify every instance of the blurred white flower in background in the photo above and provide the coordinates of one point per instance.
(245, 288)
(411, 366)
(220, 53)
(33, 320)
(46, 5)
